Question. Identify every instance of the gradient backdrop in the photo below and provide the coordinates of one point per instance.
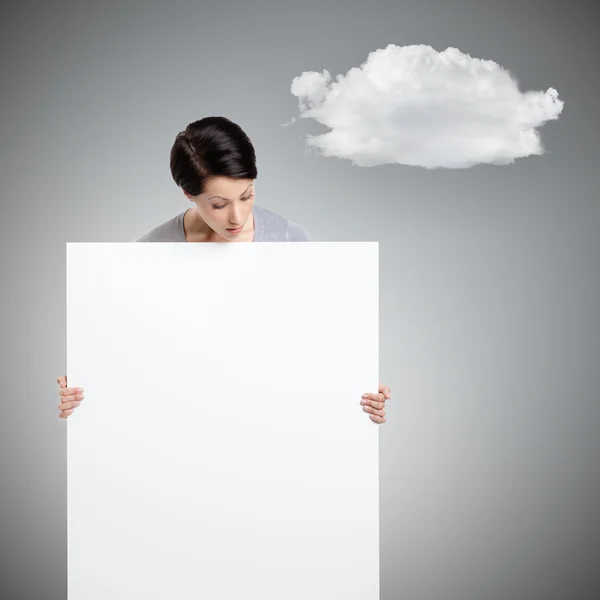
(490, 459)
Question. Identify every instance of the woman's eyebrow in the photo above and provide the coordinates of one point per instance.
(227, 198)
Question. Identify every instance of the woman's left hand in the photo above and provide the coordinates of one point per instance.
(374, 404)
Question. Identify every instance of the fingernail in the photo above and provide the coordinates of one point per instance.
(365, 396)
(363, 401)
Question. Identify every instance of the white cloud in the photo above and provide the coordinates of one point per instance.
(415, 106)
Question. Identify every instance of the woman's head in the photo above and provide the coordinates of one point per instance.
(214, 163)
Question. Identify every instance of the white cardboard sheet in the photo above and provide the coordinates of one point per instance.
(221, 451)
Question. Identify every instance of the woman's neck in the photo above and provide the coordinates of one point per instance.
(196, 229)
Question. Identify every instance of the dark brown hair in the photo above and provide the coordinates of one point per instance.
(213, 146)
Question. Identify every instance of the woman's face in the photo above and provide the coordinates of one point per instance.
(225, 205)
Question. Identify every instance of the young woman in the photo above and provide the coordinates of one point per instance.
(214, 163)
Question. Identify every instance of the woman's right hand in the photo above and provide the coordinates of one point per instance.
(70, 398)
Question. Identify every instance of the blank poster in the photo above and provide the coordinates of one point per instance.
(221, 451)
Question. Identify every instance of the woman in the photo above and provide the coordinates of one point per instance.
(214, 163)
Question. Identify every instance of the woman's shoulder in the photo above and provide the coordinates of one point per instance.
(297, 233)
(274, 227)
(169, 231)
(270, 227)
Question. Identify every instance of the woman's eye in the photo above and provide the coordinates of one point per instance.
(243, 199)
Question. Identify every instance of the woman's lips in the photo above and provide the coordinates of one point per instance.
(238, 230)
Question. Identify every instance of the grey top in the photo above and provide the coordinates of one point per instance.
(268, 227)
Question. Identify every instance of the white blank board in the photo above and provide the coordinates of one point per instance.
(221, 451)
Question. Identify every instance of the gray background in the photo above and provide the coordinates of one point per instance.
(489, 276)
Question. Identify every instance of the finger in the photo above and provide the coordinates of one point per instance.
(373, 403)
(70, 391)
(69, 405)
(70, 399)
(376, 397)
(385, 390)
(376, 419)
(62, 381)
(65, 413)
(374, 411)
